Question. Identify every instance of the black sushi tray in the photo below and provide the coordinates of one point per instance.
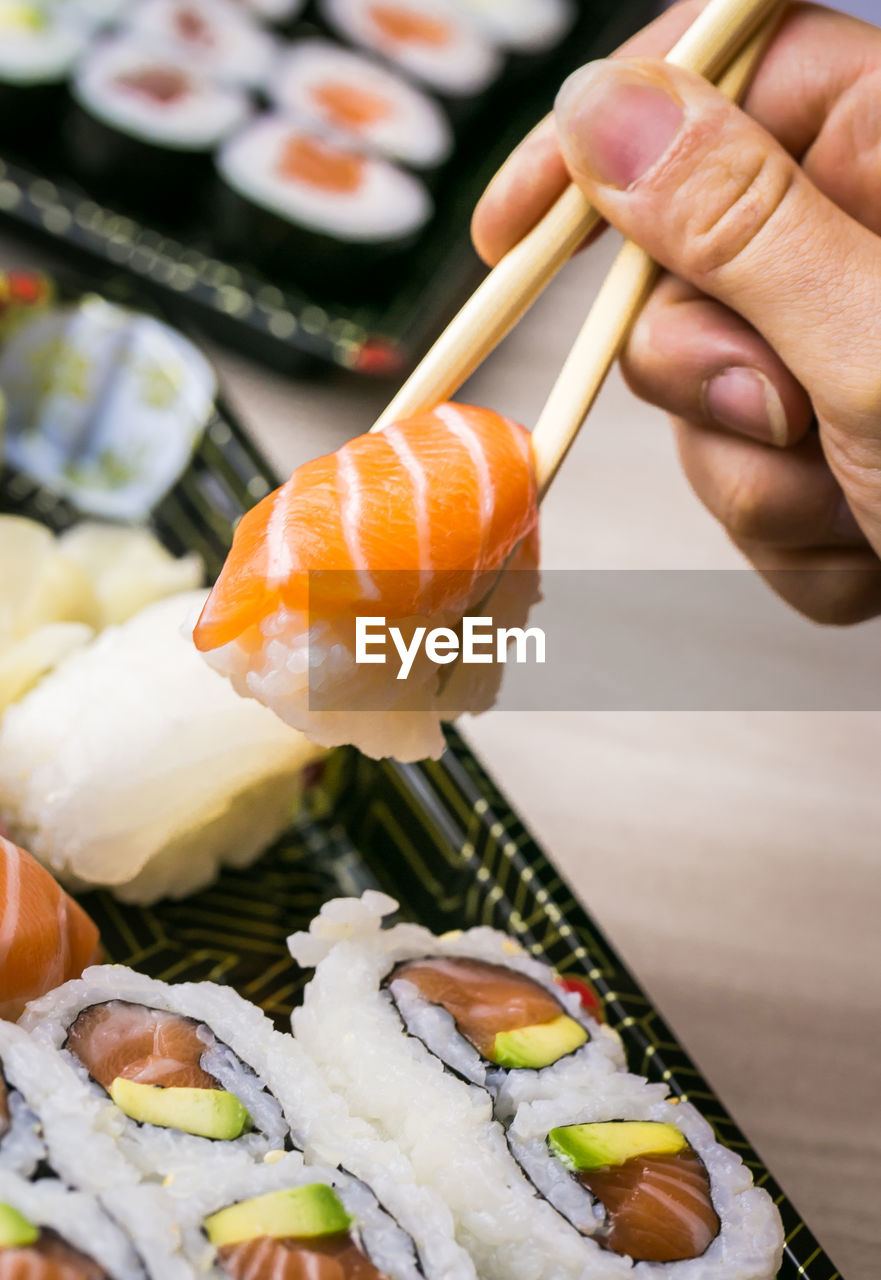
(439, 836)
(230, 298)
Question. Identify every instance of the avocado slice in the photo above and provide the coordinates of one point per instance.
(208, 1113)
(538, 1046)
(596, 1146)
(294, 1213)
(15, 1230)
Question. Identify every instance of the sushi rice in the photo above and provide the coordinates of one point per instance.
(56, 1120)
(444, 1125)
(237, 1037)
(750, 1243)
(146, 785)
(21, 1146)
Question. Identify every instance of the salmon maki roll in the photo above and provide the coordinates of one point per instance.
(45, 937)
(405, 529)
(644, 1182)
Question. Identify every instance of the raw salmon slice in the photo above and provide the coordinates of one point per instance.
(659, 1206)
(50, 1258)
(483, 998)
(150, 1046)
(405, 26)
(335, 1257)
(45, 937)
(410, 520)
(350, 107)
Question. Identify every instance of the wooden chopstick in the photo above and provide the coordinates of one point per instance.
(707, 47)
(619, 301)
(616, 307)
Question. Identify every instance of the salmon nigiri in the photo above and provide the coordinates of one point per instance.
(410, 524)
(45, 937)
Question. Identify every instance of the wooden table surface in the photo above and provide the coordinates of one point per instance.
(733, 858)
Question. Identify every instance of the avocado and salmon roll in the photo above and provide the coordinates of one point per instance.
(354, 95)
(400, 1061)
(315, 208)
(192, 1076)
(146, 124)
(48, 1232)
(492, 1014)
(178, 1072)
(642, 1179)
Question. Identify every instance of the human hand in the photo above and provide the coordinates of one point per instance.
(769, 319)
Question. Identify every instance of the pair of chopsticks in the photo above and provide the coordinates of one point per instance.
(725, 44)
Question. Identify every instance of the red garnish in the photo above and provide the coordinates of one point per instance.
(586, 994)
(377, 356)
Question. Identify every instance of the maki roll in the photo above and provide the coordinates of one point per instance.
(51, 1233)
(493, 1015)
(215, 37)
(347, 92)
(146, 126)
(431, 1107)
(523, 26)
(641, 1177)
(38, 47)
(429, 39)
(285, 1219)
(179, 1072)
(314, 208)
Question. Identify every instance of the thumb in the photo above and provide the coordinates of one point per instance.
(716, 200)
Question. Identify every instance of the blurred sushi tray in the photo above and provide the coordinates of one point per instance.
(196, 832)
(296, 178)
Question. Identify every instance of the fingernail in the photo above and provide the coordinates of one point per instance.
(746, 401)
(844, 523)
(615, 122)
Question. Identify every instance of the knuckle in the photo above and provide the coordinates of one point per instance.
(741, 507)
(745, 205)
